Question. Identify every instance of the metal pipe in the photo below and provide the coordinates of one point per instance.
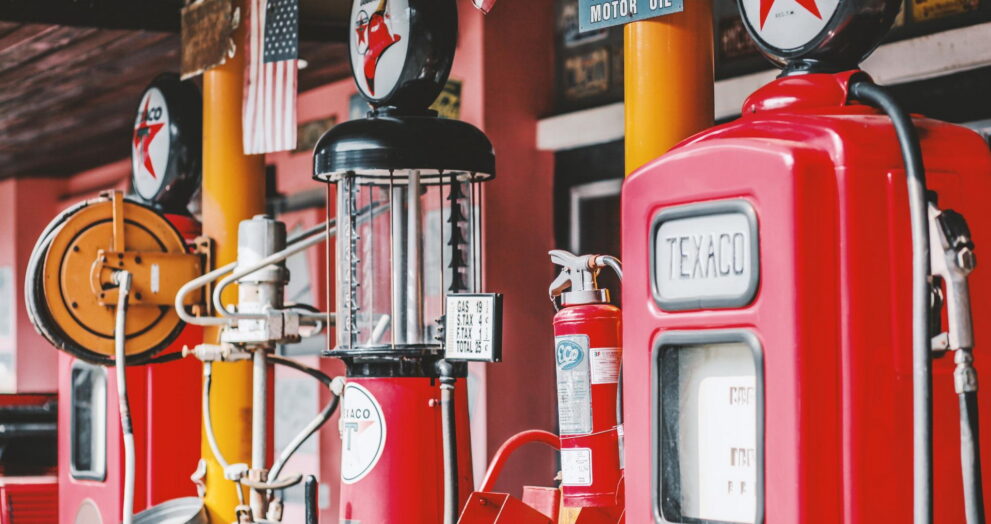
(233, 190)
(274, 258)
(445, 372)
(414, 262)
(120, 340)
(908, 140)
(310, 499)
(196, 283)
(399, 256)
(665, 105)
(510, 446)
(259, 424)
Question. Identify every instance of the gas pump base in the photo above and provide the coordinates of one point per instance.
(391, 431)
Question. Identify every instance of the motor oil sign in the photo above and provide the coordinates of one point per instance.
(599, 14)
(363, 433)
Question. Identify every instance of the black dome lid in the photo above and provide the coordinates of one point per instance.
(384, 142)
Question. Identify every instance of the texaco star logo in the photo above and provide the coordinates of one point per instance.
(143, 135)
(788, 24)
(375, 35)
(766, 5)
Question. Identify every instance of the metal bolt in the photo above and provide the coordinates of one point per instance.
(137, 296)
(75, 249)
(432, 402)
(75, 305)
(137, 260)
(966, 259)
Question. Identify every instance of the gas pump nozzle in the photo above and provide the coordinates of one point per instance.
(952, 260)
(580, 273)
(952, 255)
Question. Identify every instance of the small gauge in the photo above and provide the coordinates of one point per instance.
(402, 50)
(166, 144)
(824, 35)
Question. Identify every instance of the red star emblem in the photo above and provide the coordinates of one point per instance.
(766, 5)
(143, 135)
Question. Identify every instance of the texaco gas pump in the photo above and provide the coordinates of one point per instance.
(409, 236)
(799, 298)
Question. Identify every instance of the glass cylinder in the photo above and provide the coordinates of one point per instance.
(405, 239)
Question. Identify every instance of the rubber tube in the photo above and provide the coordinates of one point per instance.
(314, 424)
(970, 458)
(120, 340)
(922, 456)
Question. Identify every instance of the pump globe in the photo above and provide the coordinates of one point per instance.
(818, 36)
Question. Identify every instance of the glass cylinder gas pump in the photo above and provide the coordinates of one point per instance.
(408, 230)
(406, 237)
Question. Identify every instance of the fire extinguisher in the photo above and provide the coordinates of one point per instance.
(588, 351)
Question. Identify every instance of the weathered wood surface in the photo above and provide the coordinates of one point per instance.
(68, 95)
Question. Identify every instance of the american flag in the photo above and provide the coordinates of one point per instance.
(270, 84)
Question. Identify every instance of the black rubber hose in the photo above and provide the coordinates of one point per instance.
(867, 91)
(970, 458)
(310, 497)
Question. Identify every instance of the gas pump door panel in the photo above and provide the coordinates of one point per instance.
(707, 428)
(705, 256)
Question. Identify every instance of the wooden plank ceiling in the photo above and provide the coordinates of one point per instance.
(68, 95)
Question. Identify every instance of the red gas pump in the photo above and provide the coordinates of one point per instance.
(588, 351)
(780, 315)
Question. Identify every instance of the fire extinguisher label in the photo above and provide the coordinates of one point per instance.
(362, 433)
(605, 365)
(576, 467)
(574, 388)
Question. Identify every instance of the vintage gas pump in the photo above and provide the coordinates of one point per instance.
(785, 281)
(408, 200)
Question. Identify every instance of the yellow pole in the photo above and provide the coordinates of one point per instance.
(669, 81)
(233, 190)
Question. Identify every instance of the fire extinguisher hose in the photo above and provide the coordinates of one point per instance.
(867, 91)
(120, 339)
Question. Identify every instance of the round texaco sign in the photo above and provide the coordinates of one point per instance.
(165, 144)
(828, 34)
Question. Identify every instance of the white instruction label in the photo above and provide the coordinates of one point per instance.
(727, 448)
(574, 395)
(605, 365)
(576, 467)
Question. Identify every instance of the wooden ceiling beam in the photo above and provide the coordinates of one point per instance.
(147, 15)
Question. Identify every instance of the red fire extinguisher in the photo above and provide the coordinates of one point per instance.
(588, 351)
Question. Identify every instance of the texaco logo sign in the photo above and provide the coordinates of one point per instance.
(788, 24)
(150, 144)
(363, 432)
(380, 40)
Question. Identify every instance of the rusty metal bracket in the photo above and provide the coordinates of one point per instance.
(157, 276)
(204, 247)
